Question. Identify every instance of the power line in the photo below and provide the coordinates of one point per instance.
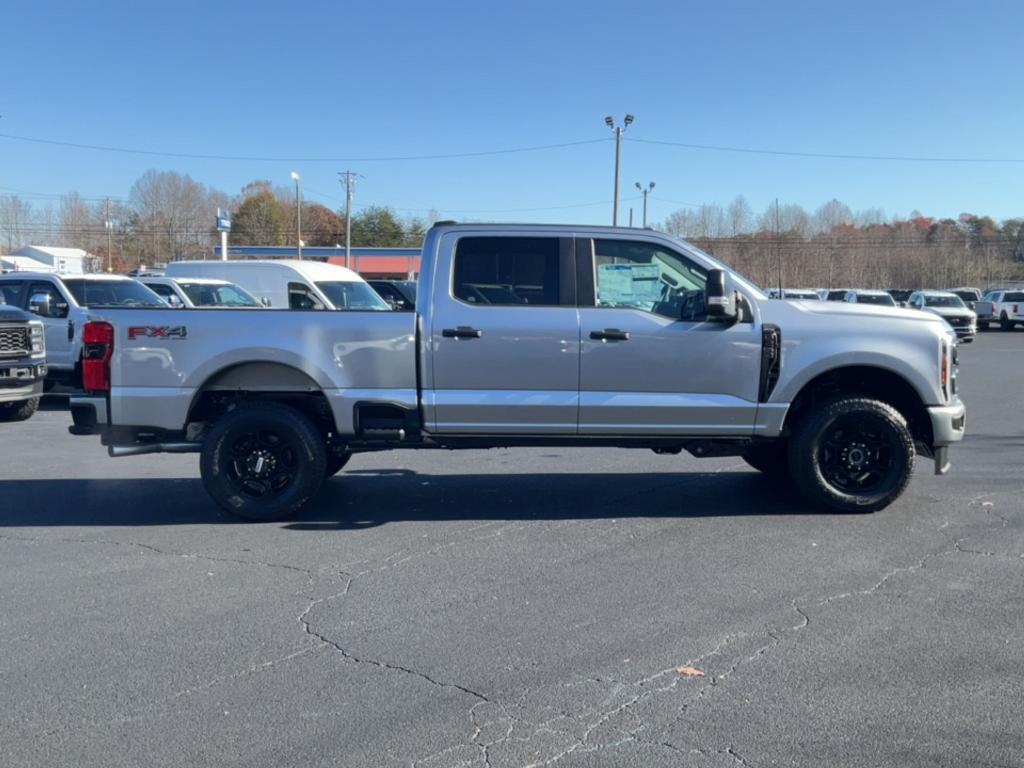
(829, 155)
(253, 158)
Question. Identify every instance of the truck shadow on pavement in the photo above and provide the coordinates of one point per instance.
(370, 498)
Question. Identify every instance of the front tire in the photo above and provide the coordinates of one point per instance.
(21, 410)
(852, 454)
(263, 461)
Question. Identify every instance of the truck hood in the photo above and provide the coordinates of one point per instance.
(14, 315)
(844, 310)
(951, 311)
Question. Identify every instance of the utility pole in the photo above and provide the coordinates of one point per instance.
(298, 212)
(778, 249)
(110, 230)
(631, 217)
(610, 122)
(348, 180)
(644, 192)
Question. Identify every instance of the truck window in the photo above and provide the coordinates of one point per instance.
(161, 290)
(10, 292)
(300, 297)
(503, 271)
(638, 275)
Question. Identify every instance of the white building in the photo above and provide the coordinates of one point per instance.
(53, 259)
(23, 264)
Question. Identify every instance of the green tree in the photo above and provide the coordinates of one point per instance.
(377, 227)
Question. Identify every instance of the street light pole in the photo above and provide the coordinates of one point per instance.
(644, 192)
(618, 154)
(298, 212)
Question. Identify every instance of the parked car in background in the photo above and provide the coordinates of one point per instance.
(400, 294)
(835, 294)
(1002, 306)
(950, 308)
(900, 295)
(192, 292)
(971, 296)
(800, 294)
(62, 303)
(866, 296)
(22, 363)
(289, 283)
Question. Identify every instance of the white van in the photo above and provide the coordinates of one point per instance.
(289, 283)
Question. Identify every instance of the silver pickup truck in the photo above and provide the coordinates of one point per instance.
(532, 335)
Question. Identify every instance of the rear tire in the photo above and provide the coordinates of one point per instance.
(1004, 322)
(852, 454)
(770, 458)
(263, 461)
(21, 410)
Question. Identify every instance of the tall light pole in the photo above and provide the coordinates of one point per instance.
(109, 224)
(618, 153)
(644, 192)
(348, 179)
(298, 212)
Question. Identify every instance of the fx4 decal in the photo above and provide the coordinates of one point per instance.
(157, 332)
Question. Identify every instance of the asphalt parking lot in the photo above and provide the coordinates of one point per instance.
(514, 608)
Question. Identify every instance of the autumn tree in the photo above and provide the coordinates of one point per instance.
(262, 219)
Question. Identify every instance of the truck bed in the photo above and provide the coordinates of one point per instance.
(163, 357)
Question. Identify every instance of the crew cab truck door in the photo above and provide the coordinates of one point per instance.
(651, 363)
(57, 324)
(504, 337)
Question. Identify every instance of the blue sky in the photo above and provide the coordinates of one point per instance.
(347, 79)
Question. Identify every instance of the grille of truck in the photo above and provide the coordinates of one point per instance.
(14, 341)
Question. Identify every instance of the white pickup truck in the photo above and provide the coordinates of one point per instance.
(533, 335)
(1005, 307)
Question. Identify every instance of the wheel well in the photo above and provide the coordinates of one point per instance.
(254, 381)
(867, 381)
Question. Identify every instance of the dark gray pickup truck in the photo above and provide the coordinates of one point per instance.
(22, 364)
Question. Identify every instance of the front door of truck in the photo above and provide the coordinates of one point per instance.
(45, 299)
(650, 363)
(504, 337)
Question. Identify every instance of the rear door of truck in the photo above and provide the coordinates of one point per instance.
(504, 336)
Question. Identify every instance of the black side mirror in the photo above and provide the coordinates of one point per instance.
(720, 297)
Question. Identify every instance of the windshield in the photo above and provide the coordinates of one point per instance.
(353, 296)
(967, 295)
(206, 295)
(944, 301)
(883, 299)
(113, 293)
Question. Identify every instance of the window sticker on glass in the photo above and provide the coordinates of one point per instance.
(633, 285)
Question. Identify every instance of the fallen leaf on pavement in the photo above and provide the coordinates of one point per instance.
(689, 672)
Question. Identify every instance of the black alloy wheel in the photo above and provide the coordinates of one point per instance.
(263, 461)
(851, 453)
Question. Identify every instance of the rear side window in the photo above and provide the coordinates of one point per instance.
(161, 290)
(507, 271)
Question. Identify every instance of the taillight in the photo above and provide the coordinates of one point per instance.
(1015, 310)
(97, 348)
